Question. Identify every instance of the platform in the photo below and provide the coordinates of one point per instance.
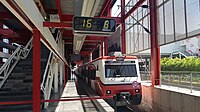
(71, 91)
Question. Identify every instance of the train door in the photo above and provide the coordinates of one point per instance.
(92, 76)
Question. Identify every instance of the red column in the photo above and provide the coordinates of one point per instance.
(36, 70)
(123, 27)
(105, 46)
(109, 10)
(155, 48)
(1, 49)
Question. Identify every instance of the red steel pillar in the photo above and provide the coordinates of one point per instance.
(155, 48)
(102, 44)
(106, 46)
(1, 49)
(123, 27)
(109, 10)
(36, 70)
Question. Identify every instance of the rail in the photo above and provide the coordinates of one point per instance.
(48, 76)
(20, 53)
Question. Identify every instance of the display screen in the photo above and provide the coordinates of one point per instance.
(92, 24)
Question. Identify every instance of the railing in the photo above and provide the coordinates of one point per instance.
(181, 79)
(178, 79)
(20, 53)
(48, 76)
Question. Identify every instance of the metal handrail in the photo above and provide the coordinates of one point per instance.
(9, 65)
(45, 72)
(47, 80)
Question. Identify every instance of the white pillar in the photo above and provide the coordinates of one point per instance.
(56, 76)
(61, 73)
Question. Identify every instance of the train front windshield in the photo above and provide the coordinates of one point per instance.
(120, 71)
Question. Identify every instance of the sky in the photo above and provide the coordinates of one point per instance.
(115, 10)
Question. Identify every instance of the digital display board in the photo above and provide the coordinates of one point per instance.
(94, 25)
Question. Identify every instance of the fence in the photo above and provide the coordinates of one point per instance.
(180, 79)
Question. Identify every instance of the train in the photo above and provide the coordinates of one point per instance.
(116, 76)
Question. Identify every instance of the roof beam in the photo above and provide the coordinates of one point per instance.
(134, 8)
(32, 12)
(57, 25)
(10, 6)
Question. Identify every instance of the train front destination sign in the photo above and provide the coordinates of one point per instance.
(94, 26)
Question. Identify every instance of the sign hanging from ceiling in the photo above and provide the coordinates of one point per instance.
(94, 26)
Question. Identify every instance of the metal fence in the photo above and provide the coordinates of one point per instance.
(180, 79)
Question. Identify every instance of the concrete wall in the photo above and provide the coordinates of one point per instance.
(160, 100)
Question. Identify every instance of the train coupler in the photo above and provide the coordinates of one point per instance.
(122, 99)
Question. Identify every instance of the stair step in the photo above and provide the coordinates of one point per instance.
(14, 93)
(16, 77)
(5, 89)
(18, 85)
(16, 108)
(15, 80)
(18, 74)
(16, 98)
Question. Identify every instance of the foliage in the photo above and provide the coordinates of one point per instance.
(176, 64)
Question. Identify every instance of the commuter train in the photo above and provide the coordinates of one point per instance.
(114, 76)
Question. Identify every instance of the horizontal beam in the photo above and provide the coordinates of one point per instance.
(57, 25)
(6, 32)
(68, 33)
(134, 8)
(67, 17)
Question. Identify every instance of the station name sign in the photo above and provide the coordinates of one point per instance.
(94, 26)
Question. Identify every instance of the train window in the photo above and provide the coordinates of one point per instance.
(120, 71)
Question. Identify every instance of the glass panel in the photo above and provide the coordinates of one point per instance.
(160, 2)
(180, 32)
(120, 71)
(193, 17)
(169, 28)
(145, 24)
(161, 33)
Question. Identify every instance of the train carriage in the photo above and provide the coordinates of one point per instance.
(114, 76)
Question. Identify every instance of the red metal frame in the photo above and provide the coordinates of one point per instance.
(67, 17)
(36, 70)
(6, 31)
(59, 10)
(106, 46)
(155, 48)
(123, 33)
(75, 99)
(1, 49)
(134, 8)
(106, 7)
(56, 100)
(57, 25)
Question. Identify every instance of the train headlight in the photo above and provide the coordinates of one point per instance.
(137, 90)
(108, 91)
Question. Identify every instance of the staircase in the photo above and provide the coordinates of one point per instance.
(18, 86)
